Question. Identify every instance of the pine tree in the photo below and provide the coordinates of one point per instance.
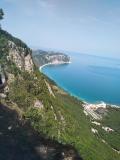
(1, 13)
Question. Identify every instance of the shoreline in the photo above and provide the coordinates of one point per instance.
(47, 64)
(79, 98)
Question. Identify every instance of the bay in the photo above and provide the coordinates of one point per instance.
(90, 78)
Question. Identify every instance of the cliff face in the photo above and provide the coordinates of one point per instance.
(18, 56)
(43, 57)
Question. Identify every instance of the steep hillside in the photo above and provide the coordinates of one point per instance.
(36, 107)
(18, 139)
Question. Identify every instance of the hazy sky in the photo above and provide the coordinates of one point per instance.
(87, 26)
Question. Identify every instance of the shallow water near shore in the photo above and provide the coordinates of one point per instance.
(90, 78)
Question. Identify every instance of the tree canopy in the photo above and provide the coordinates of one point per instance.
(1, 13)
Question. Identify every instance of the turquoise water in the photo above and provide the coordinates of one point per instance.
(90, 78)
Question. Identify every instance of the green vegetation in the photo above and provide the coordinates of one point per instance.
(61, 116)
(75, 129)
(1, 14)
(112, 120)
(5, 37)
(19, 141)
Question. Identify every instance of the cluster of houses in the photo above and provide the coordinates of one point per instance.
(90, 109)
(95, 106)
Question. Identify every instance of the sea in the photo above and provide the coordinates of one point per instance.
(90, 78)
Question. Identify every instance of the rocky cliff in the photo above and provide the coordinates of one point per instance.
(18, 56)
(48, 57)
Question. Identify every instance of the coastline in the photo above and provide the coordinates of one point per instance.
(47, 64)
(80, 99)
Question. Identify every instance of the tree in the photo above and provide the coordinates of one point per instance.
(1, 14)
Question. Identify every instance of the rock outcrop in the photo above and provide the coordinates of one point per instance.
(18, 55)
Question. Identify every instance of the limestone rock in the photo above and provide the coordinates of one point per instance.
(28, 63)
(38, 104)
(18, 55)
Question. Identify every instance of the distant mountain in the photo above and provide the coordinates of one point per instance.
(41, 57)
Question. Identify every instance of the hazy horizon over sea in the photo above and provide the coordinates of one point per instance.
(90, 78)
